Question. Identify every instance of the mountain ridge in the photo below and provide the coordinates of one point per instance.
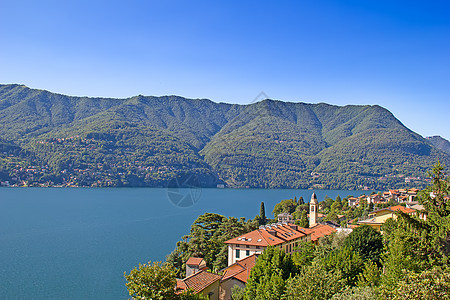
(148, 140)
(440, 143)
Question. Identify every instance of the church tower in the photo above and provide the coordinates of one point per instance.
(313, 207)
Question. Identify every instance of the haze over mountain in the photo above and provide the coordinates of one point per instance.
(52, 139)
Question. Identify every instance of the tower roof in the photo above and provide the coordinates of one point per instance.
(314, 198)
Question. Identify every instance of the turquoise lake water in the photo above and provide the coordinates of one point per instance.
(76, 243)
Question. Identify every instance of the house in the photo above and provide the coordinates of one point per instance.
(285, 217)
(394, 194)
(375, 198)
(403, 198)
(194, 265)
(284, 235)
(236, 274)
(378, 217)
(420, 211)
(202, 282)
(353, 201)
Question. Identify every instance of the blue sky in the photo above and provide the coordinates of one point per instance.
(392, 53)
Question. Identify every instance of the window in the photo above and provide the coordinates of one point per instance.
(247, 246)
(247, 253)
(238, 253)
(257, 247)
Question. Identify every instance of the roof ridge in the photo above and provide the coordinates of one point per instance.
(262, 235)
(233, 274)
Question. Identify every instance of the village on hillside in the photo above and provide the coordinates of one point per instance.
(286, 234)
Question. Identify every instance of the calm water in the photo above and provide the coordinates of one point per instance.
(77, 243)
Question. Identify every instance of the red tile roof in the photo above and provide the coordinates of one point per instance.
(181, 286)
(272, 235)
(406, 210)
(194, 261)
(395, 208)
(197, 282)
(319, 230)
(240, 270)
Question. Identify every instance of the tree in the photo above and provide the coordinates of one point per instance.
(347, 261)
(314, 282)
(206, 239)
(262, 214)
(414, 244)
(303, 222)
(300, 201)
(336, 206)
(332, 216)
(267, 278)
(428, 285)
(152, 281)
(388, 229)
(304, 255)
(285, 206)
(367, 242)
(326, 204)
(174, 259)
(237, 293)
(156, 281)
(436, 202)
(371, 275)
(189, 295)
(356, 293)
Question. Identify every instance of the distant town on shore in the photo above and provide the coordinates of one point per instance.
(49, 139)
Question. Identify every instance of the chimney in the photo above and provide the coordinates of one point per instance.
(293, 226)
(272, 232)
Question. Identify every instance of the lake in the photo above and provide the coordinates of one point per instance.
(76, 243)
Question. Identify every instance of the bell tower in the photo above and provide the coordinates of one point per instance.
(313, 207)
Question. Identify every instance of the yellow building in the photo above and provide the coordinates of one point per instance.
(377, 218)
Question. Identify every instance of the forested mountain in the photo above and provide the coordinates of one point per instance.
(440, 143)
(53, 139)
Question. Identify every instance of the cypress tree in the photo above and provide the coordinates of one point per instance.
(300, 200)
(262, 214)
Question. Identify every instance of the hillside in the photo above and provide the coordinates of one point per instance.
(440, 143)
(53, 139)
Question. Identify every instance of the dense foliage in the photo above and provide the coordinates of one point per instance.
(157, 282)
(268, 277)
(206, 240)
(367, 241)
(52, 139)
